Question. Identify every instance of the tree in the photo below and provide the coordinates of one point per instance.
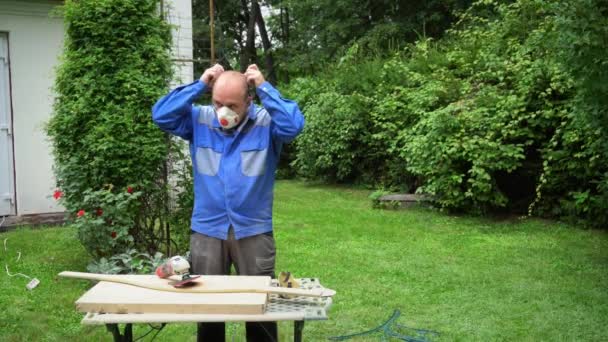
(299, 36)
(310, 33)
(236, 35)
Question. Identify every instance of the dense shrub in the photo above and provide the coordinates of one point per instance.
(337, 126)
(507, 111)
(575, 174)
(481, 150)
(115, 65)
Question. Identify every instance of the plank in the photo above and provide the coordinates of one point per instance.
(118, 298)
(202, 285)
(97, 319)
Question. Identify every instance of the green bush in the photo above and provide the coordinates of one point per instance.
(130, 262)
(336, 124)
(574, 182)
(474, 151)
(507, 112)
(115, 65)
(183, 195)
(414, 83)
(104, 220)
(338, 141)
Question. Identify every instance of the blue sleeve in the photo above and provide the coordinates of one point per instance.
(287, 120)
(173, 112)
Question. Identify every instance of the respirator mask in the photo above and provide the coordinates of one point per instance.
(227, 117)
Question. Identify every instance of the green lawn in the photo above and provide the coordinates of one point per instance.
(469, 279)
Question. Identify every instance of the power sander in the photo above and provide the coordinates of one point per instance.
(177, 265)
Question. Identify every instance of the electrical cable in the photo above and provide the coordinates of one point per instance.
(159, 329)
(6, 265)
(33, 281)
(385, 329)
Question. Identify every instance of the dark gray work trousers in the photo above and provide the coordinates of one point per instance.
(253, 255)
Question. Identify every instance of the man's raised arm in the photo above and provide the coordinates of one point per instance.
(173, 112)
(287, 120)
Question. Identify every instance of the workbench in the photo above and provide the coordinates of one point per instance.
(297, 309)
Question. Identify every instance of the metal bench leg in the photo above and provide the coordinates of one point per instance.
(115, 330)
(298, 327)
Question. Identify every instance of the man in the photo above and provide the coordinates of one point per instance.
(235, 147)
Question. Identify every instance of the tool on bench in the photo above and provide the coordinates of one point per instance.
(177, 265)
(287, 280)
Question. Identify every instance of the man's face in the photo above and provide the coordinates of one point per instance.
(235, 98)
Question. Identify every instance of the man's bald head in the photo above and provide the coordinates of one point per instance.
(231, 90)
(232, 83)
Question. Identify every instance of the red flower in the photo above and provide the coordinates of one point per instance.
(80, 213)
(113, 234)
(130, 190)
(99, 211)
(57, 194)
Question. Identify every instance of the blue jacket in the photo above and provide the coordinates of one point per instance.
(233, 171)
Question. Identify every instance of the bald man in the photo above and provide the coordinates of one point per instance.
(235, 147)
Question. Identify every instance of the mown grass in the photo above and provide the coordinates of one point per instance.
(470, 279)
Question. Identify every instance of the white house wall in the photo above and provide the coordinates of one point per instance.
(179, 14)
(35, 42)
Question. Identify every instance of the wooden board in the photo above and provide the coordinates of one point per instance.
(199, 285)
(108, 297)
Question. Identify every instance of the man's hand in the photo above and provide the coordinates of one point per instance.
(254, 76)
(210, 75)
